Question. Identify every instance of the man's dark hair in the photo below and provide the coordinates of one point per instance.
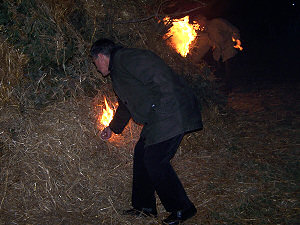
(103, 46)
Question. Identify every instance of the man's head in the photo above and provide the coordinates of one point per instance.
(100, 52)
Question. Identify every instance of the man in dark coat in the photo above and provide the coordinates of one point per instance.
(151, 94)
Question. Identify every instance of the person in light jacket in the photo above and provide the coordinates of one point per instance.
(151, 94)
(218, 38)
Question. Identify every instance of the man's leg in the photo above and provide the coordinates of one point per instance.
(142, 188)
(165, 180)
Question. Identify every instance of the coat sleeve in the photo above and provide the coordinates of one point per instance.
(121, 118)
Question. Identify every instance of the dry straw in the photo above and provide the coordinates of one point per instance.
(12, 64)
(56, 168)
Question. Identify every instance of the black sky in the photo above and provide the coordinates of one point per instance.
(269, 30)
(270, 33)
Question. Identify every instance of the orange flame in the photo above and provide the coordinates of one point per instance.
(238, 43)
(107, 114)
(181, 34)
(104, 111)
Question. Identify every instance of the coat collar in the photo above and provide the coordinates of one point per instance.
(112, 54)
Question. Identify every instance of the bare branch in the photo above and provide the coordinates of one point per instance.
(156, 15)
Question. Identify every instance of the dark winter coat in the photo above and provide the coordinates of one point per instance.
(153, 95)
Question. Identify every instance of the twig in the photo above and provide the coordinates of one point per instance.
(153, 16)
(5, 189)
(112, 205)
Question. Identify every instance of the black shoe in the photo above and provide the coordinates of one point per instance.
(180, 216)
(143, 212)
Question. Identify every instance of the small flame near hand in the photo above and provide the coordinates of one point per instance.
(107, 114)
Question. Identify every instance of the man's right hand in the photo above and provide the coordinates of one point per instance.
(106, 133)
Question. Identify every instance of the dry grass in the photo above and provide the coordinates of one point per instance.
(12, 64)
(241, 169)
(53, 163)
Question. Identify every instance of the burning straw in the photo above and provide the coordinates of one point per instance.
(105, 106)
(182, 34)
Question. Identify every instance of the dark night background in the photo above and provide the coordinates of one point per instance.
(270, 32)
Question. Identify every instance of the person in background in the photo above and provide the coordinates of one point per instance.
(151, 94)
(216, 39)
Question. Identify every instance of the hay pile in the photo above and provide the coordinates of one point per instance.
(54, 167)
(55, 37)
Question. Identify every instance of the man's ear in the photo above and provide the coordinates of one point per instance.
(100, 56)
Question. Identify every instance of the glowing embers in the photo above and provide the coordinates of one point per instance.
(181, 34)
(238, 44)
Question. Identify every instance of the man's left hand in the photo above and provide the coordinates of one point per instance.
(106, 133)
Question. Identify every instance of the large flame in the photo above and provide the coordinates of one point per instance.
(107, 114)
(181, 34)
(238, 44)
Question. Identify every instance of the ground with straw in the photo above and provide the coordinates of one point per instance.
(243, 168)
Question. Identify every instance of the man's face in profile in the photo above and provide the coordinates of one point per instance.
(102, 63)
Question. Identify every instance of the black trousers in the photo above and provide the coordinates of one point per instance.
(152, 172)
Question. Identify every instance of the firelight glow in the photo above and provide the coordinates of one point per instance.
(107, 114)
(181, 34)
(238, 44)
